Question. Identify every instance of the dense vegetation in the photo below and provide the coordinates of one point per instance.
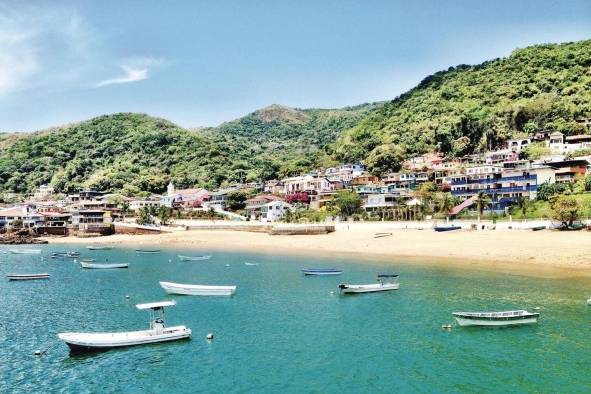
(472, 108)
(458, 111)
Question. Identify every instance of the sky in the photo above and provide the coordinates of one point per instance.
(200, 63)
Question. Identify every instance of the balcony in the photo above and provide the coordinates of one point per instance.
(495, 180)
(499, 190)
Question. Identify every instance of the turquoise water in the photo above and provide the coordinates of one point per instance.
(283, 332)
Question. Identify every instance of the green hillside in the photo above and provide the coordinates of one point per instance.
(138, 153)
(469, 108)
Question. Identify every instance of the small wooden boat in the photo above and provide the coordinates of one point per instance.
(322, 271)
(27, 276)
(385, 282)
(193, 258)
(98, 247)
(72, 255)
(538, 228)
(25, 251)
(103, 266)
(58, 255)
(441, 229)
(152, 251)
(382, 235)
(496, 319)
(158, 332)
(200, 290)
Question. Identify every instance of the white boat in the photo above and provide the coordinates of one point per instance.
(385, 282)
(200, 290)
(252, 264)
(27, 276)
(103, 266)
(193, 258)
(496, 319)
(321, 271)
(158, 332)
(25, 251)
(147, 251)
(97, 247)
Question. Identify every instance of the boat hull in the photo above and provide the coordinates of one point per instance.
(197, 290)
(86, 342)
(196, 258)
(354, 289)
(319, 272)
(27, 277)
(495, 323)
(102, 266)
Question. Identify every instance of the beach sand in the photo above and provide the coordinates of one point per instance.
(542, 253)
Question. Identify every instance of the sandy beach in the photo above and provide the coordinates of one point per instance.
(542, 253)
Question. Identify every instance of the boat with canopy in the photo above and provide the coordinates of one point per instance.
(193, 258)
(198, 290)
(94, 266)
(322, 271)
(27, 276)
(496, 319)
(158, 332)
(385, 282)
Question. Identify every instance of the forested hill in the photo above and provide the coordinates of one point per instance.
(134, 153)
(457, 111)
(471, 108)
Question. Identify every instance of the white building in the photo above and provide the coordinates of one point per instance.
(560, 144)
(136, 205)
(43, 192)
(344, 173)
(274, 211)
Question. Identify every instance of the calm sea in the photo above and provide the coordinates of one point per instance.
(283, 332)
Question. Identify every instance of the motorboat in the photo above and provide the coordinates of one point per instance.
(147, 251)
(98, 247)
(496, 319)
(193, 258)
(58, 255)
(25, 251)
(441, 229)
(88, 260)
(251, 264)
(385, 282)
(103, 266)
(72, 255)
(321, 271)
(27, 276)
(200, 290)
(158, 332)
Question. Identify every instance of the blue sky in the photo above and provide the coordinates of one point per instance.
(199, 63)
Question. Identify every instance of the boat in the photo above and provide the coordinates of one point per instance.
(72, 254)
(538, 228)
(441, 229)
(147, 251)
(496, 319)
(193, 258)
(385, 282)
(322, 271)
(25, 251)
(27, 276)
(251, 264)
(97, 247)
(158, 332)
(88, 260)
(200, 290)
(103, 266)
(58, 255)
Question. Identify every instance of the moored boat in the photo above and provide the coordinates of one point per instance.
(538, 228)
(200, 290)
(88, 260)
(496, 319)
(322, 271)
(103, 266)
(158, 332)
(98, 247)
(27, 276)
(385, 282)
(441, 229)
(193, 258)
(25, 251)
(147, 251)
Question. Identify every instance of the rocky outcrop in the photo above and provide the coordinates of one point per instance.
(20, 236)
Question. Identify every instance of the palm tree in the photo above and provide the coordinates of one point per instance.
(482, 200)
(445, 202)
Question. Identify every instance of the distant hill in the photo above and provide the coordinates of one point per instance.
(469, 108)
(461, 110)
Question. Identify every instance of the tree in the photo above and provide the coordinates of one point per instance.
(124, 208)
(144, 217)
(236, 200)
(565, 209)
(523, 204)
(482, 200)
(444, 202)
(164, 215)
(348, 202)
(302, 198)
(385, 158)
(548, 190)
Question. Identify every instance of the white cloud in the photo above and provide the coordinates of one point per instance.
(136, 69)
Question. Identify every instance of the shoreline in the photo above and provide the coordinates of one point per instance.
(541, 254)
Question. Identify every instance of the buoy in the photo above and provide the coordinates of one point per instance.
(209, 336)
(227, 265)
(169, 260)
(127, 297)
(537, 308)
(38, 352)
(446, 326)
(331, 292)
